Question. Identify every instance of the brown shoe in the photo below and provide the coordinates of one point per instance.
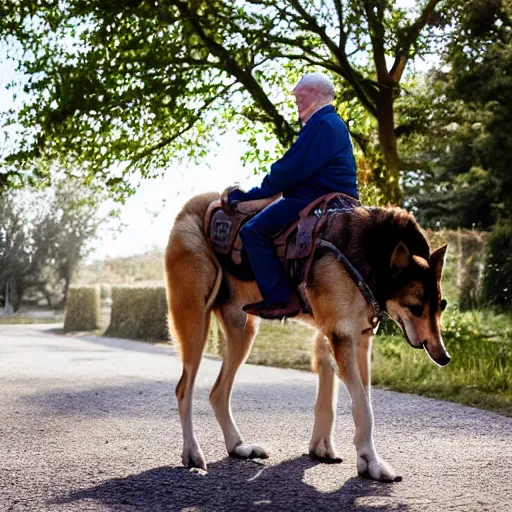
(275, 310)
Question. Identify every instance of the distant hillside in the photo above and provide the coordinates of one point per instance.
(132, 269)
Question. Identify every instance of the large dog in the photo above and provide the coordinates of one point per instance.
(390, 251)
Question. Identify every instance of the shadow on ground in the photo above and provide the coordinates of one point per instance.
(232, 485)
(136, 398)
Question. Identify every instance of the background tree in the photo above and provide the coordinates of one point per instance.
(460, 162)
(14, 254)
(43, 237)
(145, 82)
(464, 151)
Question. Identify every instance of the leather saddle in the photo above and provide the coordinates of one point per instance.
(294, 244)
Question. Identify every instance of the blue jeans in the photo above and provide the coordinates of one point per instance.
(257, 236)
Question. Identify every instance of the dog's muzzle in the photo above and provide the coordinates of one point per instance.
(443, 360)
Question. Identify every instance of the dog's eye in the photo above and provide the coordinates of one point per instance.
(442, 305)
(416, 310)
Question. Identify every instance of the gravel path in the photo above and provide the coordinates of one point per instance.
(90, 423)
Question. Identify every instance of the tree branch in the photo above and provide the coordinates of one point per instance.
(297, 43)
(364, 89)
(377, 38)
(361, 140)
(169, 140)
(343, 35)
(406, 129)
(279, 9)
(283, 129)
(411, 35)
(314, 26)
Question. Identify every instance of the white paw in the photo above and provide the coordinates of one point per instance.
(376, 469)
(249, 451)
(193, 457)
(323, 450)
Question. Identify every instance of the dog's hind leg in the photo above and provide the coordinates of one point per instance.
(193, 281)
(321, 446)
(239, 332)
(193, 332)
(352, 359)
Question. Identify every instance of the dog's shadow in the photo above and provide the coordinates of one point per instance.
(235, 485)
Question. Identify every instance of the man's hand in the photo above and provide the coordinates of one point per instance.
(229, 206)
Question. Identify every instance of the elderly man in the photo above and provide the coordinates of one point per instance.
(319, 162)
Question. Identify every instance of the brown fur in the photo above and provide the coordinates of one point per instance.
(380, 243)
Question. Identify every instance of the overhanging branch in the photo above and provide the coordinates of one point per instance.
(410, 36)
(283, 129)
(169, 140)
(341, 23)
(375, 13)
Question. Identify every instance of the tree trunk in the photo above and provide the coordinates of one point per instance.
(387, 139)
(47, 295)
(8, 309)
(17, 291)
(67, 282)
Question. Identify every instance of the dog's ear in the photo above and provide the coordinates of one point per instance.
(400, 258)
(436, 261)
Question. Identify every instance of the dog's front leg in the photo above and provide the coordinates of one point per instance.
(321, 446)
(352, 358)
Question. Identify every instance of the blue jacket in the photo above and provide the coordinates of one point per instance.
(320, 161)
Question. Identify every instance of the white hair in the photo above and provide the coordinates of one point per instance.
(318, 81)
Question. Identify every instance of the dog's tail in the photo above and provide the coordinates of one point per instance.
(216, 285)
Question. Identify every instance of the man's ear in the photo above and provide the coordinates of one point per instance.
(400, 258)
(436, 261)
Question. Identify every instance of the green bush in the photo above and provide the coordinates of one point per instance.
(82, 309)
(138, 313)
(498, 270)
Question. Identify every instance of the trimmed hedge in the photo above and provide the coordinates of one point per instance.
(82, 309)
(138, 313)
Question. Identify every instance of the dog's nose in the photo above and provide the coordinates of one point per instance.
(443, 361)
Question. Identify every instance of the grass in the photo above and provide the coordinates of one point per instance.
(480, 343)
(479, 375)
(287, 345)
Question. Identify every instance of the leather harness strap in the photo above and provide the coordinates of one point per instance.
(356, 277)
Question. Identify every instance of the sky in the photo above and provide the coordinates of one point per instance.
(150, 212)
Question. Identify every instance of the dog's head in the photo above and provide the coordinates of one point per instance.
(416, 302)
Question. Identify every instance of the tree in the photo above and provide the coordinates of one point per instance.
(465, 179)
(14, 254)
(143, 82)
(43, 237)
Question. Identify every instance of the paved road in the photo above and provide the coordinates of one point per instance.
(90, 423)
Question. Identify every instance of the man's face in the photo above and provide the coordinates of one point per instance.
(306, 97)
